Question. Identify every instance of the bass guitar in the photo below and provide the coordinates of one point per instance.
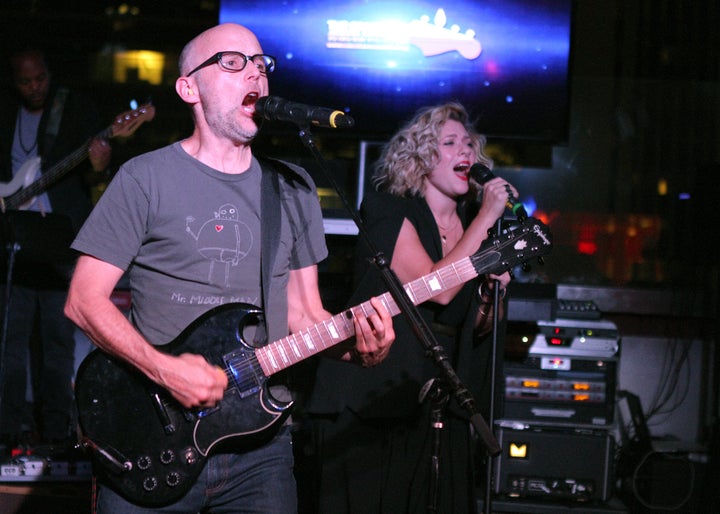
(151, 449)
(21, 191)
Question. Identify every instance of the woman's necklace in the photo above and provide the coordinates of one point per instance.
(445, 231)
(20, 135)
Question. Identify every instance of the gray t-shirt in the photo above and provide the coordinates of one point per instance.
(190, 238)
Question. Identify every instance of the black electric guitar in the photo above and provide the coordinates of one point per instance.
(26, 185)
(151, 449)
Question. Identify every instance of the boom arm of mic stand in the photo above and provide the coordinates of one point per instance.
(417, 323)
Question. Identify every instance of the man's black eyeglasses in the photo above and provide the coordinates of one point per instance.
(236, 61)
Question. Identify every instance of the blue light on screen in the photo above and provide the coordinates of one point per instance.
(382, 60)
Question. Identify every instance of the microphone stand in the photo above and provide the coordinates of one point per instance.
(487, 496)
(12, 247)
(416, 321)
(434, 392)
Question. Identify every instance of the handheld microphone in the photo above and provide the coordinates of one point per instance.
(275, 108)
(482, 174)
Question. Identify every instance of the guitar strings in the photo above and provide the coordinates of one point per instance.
(458, 270)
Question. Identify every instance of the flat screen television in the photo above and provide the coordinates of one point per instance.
(507, 61)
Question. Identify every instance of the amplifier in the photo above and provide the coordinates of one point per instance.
(560, 372)
(559, 390)
(576, 337)
(554, 464)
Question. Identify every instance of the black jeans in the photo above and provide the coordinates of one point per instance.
(38, 312)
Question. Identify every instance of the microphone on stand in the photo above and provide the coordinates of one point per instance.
(482, 174)
(275, 108)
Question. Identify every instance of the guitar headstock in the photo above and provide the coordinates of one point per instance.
(129, 121)
(516, 245)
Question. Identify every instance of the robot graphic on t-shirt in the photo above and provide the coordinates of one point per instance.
(223, 239)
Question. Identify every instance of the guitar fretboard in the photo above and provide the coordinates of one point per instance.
(529, 239)
(307, 342)
(16, 200)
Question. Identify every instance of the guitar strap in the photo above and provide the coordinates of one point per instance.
(53, 123)
(270, 212)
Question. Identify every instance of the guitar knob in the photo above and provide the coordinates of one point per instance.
(190, 456)
(150, 483)
(144, 462)
(167, 456)
(172, 479)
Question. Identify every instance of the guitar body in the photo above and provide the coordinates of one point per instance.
(25, 176)
(150, 448)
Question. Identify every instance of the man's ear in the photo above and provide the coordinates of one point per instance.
(185, 88)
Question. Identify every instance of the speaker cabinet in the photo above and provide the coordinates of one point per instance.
(553, 463)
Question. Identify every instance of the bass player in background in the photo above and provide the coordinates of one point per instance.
(42, 119)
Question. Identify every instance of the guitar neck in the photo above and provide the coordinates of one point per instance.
(48, 178)
(307, 342)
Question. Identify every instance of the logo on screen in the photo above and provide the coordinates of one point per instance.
(430, 38)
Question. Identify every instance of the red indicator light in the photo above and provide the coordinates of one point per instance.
(586, 247)
(556, 341)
